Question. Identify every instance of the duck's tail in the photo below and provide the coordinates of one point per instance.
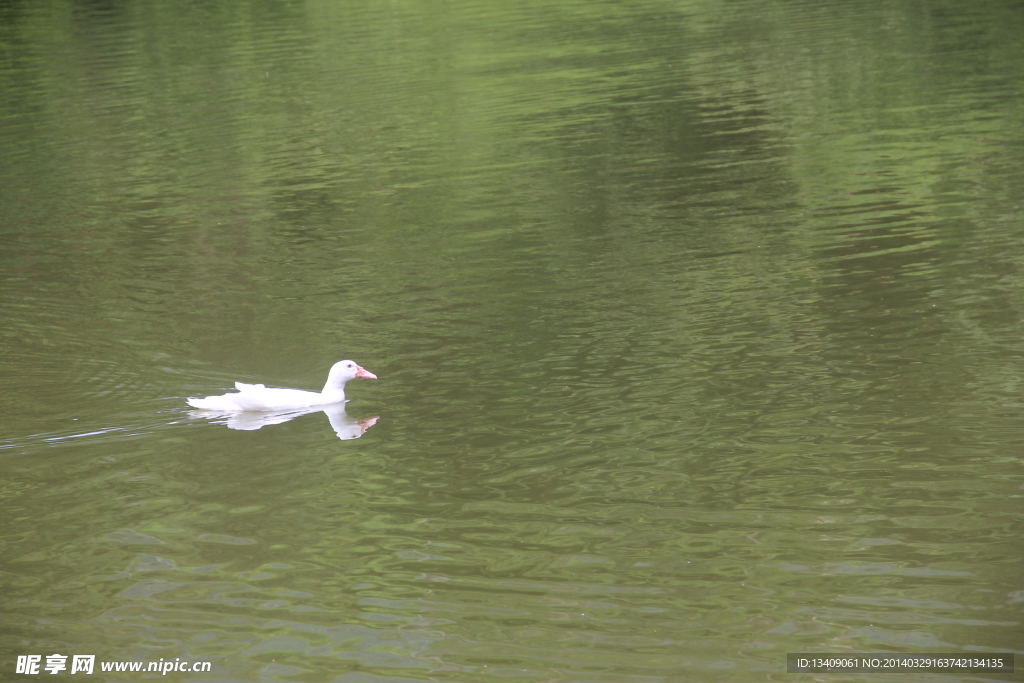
(214, 403)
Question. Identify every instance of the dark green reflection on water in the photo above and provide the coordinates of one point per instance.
(697, 328)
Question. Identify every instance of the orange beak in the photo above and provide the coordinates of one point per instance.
(363, 372)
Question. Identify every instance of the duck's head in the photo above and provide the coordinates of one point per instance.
(344, 370)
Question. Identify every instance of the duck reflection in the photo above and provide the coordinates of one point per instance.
(344, 426)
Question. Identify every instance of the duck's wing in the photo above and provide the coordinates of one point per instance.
(249, 397)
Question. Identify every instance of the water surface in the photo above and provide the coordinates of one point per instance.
(697, 327)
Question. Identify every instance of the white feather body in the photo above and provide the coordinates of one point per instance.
(257, 397)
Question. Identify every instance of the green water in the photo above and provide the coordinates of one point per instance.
(698, 328)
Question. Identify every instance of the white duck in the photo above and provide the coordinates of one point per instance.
(257, 397)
